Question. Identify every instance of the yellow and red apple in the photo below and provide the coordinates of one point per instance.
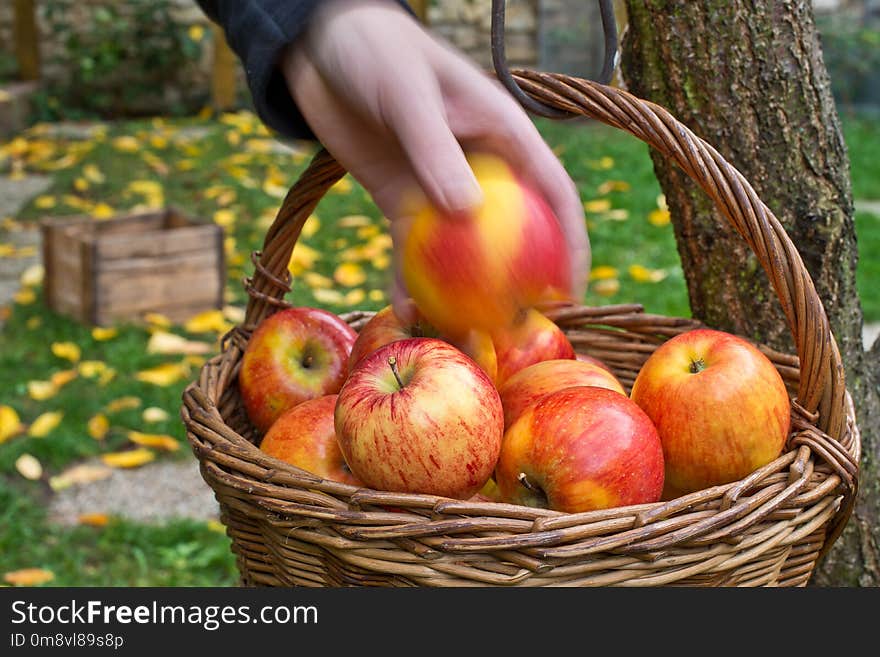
(581, 449)
(534, 382)
(478, 269)
(720, 406)
(304, 436)
(386, 326)
(531, 338)
(294, 355)
(418, 416)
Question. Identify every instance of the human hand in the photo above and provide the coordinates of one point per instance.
(398, 109)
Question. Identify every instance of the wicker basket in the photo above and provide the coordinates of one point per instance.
(290, 528)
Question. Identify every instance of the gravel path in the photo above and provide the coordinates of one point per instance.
(153, 493)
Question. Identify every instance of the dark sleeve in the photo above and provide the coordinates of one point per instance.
(257, 31)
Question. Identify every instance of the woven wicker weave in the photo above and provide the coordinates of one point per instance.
(291, 528)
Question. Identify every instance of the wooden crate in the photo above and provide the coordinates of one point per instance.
(117, 270)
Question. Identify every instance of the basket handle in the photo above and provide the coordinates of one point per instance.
(821, 388)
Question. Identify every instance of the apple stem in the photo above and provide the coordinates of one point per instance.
(697, 366)
(392, 361)
(524, 480)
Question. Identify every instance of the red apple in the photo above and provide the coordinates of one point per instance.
(385, 327)
(720, 407)
(581, 449)
(294, 355)
(419, 416)
(532, 383)
(477, 270)
(304, 436)
(530, 339)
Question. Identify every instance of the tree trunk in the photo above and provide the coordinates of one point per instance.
(748, 77)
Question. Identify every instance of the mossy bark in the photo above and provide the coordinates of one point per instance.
(748, 77)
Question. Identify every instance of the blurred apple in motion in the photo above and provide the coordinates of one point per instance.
(534, 382)
(477, 270)
(294, 355)
(419, 416)
(720, 407)
(581, 449)
(304, 436)
(530, 339)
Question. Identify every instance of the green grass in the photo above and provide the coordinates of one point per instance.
(180, 553)
(227, 166)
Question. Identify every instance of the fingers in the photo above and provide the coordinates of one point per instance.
(415, 112)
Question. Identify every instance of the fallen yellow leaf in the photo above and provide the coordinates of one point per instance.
(354, 221)
(98, 426)
(91, 368)
(102, 211)
(234, 314)
(317, 281)
(163, 375)
(342, 186)
(159, 441)
(597, 205)
(216, 526)
(302, 259)
(33, 275)
(34, 322)
(45, 423)
(10, 423)
(328, 296)
(106, 376)
(29, 467)
(209, 321)
(101, 334)
(162, 342)
(93, 519)
(659, 217)
(126, 144)
(602, 272)
(225, 218)
(41, 390)
(25, 296)
(93, 174)
(80, 184)
(613, 186)
(376, 295)
(349, 274)
(607, 287)
(312, 225)
(617, 214)
(28, 577)
(84, 473)
(644, 275)
(66, 350)
(63, 377)
(157, 319)
(129, 459)
(155, 414)
(354, 297)
(45, 202)
(123, 404)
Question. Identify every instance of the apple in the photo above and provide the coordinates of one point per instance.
(530, 339)
(386, 326)
(476, 270)
(581, 449)
(294, 355)
(720, 406)
(304, 436)
(532, 383)
(419, 416)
